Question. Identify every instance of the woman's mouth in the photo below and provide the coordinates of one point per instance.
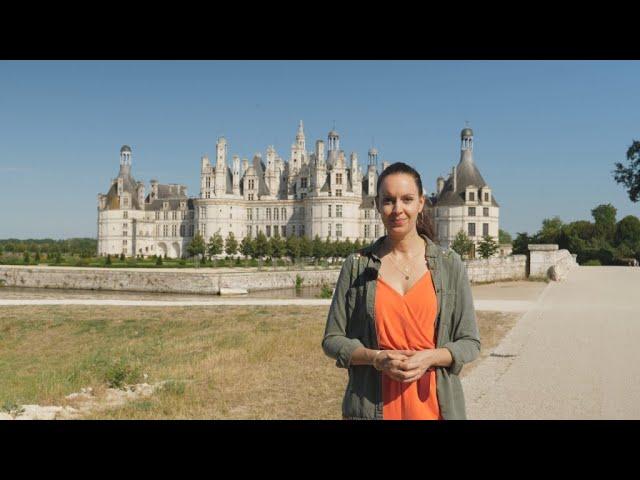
(398, 222)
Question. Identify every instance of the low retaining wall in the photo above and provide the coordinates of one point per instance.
(198, 281)
(497, 269)
(546, 261)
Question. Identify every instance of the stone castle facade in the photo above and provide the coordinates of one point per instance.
(318, 192)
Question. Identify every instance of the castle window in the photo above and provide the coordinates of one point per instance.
(472, 197)
(367, 231)
(249, 228)
(268, 230)
(125, 214)
(124, 243)
(338, 179)
(339, 211)
(486, 196)
(338, 193)
(207, 195)
(485, 212)
(329, 229)
(208, 182)
(472, 211)
(367, 214)
(251, 196)
(183, 215)
(275, 214)
(329, 207)
(174, 231)
(165, 205)
(284, 213)
(303, 183)
(125, 202)
(471, 229)
(183, 205)
(182, 230)
(339, 230)
(268, 213)
(174, 215)
(166, 215)
(165, 230)
(251, 184)
(485, 229)
(249, 213)
(283, 229)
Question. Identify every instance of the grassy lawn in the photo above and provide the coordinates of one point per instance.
(222, 363)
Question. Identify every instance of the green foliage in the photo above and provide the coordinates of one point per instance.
(231, 244)
(628, 232)
(487, 247)
(293, 247)
(605, 220)
(325, 291)
(306, 247)
(196, 246)
(330, 248)
(521, 243)
(108, 260)
(629, 176)
(120, 373)
(173, 387)
(318, 248)
(261, 246)
(37, 257)
(159, 260)
(462, 245)
(504, 237)
(277, 245)
(26, 258)
(122, 257)
(550, 232)
(247, 247)
(215, 245)
(592, 263)
(357, 245)
(299, 281)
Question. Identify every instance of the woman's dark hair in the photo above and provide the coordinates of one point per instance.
(424, 225)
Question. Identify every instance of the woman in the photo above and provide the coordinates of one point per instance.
(402, 319)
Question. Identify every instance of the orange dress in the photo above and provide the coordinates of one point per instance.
(407, 322)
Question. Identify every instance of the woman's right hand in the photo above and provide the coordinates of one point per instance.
(389, 362)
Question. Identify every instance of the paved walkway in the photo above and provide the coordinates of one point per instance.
(573, 356)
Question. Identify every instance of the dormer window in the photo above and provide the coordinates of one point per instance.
(165, 205)
(486, 196)
(338, 179)
(183, 205)
(472, 197)
(303, 183)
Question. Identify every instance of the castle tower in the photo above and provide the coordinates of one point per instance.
(372, 172)
(221, 167)
(125, 160)
(236, 175)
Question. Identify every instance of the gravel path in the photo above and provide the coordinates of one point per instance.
(574, 355)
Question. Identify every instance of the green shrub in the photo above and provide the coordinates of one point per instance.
(173, 387)
(592, 263)
(299, 281)
(326, 291)
(120, 373)
(158, 260)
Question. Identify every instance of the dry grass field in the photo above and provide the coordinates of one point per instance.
(220, 363)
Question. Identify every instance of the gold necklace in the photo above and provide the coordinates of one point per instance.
(405, 271)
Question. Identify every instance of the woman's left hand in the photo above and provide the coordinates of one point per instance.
(418, 363)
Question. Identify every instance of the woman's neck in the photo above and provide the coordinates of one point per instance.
(404, 245)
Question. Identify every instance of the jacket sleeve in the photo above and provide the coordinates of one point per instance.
(335, 343)
(465, 340)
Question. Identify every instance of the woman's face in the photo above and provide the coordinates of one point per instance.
(399, 204)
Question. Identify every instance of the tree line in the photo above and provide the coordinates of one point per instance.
(84, 247)
(272, 247)
(604, 241)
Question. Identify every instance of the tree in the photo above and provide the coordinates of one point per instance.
(330, 248)
(1, 250)
(108, 260)
(196, 246)
(605, 219)
(504, 237)
(462, 245)
(521, 243)
(122, 257)
(318, 248)
(628, 231)
(247, 247)
(306, 247)
(277, 245)
(231, 244)
(215, 245)
(293, 247)
(630, 176)
(357, 245)
(550, 232)
(26, 258)
(487, 247)
(261, 247)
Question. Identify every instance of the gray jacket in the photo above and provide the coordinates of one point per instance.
(351, 324)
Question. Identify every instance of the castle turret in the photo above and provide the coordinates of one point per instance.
(125, 160)
(236, 175)
(221, 167)
(372, 171)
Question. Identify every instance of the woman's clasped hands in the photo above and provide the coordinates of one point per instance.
(404, 366)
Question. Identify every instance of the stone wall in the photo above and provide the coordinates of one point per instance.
(497, 269)
(201, 281)
(546, 261)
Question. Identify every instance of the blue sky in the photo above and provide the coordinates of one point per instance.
(547, 133)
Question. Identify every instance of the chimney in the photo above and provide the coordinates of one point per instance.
(439, 185)
(455, 180)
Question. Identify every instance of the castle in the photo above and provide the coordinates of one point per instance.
(312, 193)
